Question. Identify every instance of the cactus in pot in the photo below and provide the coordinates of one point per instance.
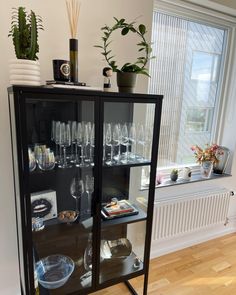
(24, 32)
(25, 69)
(174, 174)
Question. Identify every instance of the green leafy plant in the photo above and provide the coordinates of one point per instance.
(24, 32)
(143, 46)
(175, 171)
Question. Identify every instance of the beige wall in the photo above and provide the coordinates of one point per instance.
(54, 44)
(229, 3)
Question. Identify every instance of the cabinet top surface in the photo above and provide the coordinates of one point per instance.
(73, 91)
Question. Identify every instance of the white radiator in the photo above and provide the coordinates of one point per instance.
(189, 213)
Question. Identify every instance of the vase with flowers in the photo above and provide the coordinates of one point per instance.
(206, 157)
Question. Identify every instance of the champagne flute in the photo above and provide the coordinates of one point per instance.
(117, 140)
(133, 141)
(73, 157)
(65, 141)
(141, 143)
(89, 187)
(80, 143)
(92, 145)
(109, 143)
(76, 191)
(125, 142)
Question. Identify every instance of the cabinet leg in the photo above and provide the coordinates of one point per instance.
(130, 287)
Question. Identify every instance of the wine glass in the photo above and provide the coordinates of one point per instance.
(92, 145)
(125, 142)
(89, 187)
(117, 140)
(109, 142)
(57, 142)
(64, 141)
(81, 143)
(141, 143)
(73, 156)
(76, 191)
(133, 141)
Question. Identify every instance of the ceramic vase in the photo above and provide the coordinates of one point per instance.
(206, 169)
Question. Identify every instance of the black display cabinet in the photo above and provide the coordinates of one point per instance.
(83, 223)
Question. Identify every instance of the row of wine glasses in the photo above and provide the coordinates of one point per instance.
(122, 143)
(78, 187)
(79, 137)
(126, 143)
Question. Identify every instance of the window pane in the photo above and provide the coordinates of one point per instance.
(186, 70)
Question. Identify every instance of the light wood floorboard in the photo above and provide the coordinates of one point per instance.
(205, 269)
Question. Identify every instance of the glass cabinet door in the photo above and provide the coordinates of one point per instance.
(127, 145)
(61, 144)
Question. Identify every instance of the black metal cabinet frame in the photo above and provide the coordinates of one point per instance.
(17, 105)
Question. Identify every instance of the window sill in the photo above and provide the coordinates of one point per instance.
(194, 178)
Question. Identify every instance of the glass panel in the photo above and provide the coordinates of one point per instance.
(61, 161)
(122, 250)
(127, 139)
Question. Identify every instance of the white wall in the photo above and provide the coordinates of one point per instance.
(54, 44)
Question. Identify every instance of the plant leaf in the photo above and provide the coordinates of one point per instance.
(125, 31)
(142, 29)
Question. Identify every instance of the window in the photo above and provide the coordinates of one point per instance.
(188, 69)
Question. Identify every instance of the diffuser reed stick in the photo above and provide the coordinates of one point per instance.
(73, 11)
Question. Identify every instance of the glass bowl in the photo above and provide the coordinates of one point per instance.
(67, 216)
(54, 271)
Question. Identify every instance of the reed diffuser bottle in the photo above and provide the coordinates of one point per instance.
(73, 10)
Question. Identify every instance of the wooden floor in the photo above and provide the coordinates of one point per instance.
(204, 269)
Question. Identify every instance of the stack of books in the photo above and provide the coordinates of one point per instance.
(119, 209)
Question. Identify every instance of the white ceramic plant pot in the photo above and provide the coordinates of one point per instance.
(24, 72)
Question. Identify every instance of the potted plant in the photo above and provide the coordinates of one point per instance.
(174, 174)
(206, 157)
(24, 32)
(126, 74)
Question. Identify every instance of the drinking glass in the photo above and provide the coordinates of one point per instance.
(109, 142)
(141, 144)
(117, 140)
(57, 142)
(46, 160)
(89, 187)
(64, 141)
(133, 141)
(74, 155)
(32, 160)
(76, 190)
(87, 143)
(92, 145)
(125, 142)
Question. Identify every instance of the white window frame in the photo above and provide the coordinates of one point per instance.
(192, 12)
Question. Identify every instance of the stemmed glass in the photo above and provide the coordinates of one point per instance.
(92, 145)
(74, 156)
(117, 140)
(89, 187)
(125, 142)
(133, 141)
(141, 143)
(57, 142)
(109, 142)
(81, 144)
(76, 191)
(64, 141)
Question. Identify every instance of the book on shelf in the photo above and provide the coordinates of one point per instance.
(119, 209)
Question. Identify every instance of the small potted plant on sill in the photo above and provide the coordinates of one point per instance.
(126, 74)
(25, 69)
(174, 174)
(206, 157)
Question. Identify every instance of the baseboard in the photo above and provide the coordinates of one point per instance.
(165, 246)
